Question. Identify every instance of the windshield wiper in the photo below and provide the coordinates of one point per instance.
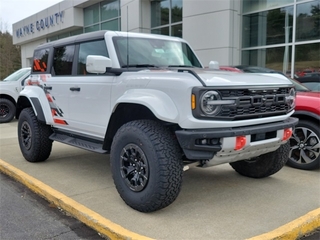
(140, 66)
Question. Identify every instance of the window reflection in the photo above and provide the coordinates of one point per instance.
(102, 16)
(159, 13)
(278, 58)
(176, 11)
(308, 21)
(307, 59)
(165, 13)
(109, 9)
(268, 27)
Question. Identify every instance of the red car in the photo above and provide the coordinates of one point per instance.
(305, 141)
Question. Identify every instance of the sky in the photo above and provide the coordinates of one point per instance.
(12, 11)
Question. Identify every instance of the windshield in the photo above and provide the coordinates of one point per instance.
(17, 75)
(150, 52)
(298, 86)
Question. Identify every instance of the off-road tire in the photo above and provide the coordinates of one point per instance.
(7, 110)
(149, 148)
(33, 137)
(304, 143)
(264, 165)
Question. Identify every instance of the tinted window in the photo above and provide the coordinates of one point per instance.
(40, 60)
(62, 60)
(90, 48)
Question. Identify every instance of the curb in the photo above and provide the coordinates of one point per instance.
(295, 229)
(292, 230)
(90, 218)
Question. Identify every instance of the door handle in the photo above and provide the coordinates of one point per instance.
(75, 89)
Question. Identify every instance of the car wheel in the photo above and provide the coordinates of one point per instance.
(146, 165)
(7, 110)
(264, 165)
(33, 137)
(305, 146)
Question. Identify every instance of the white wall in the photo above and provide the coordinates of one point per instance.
(212, 27)
(27, 29)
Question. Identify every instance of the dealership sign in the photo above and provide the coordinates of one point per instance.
(41, 24)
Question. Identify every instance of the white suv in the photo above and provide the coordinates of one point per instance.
(10, 88)
(147, 100)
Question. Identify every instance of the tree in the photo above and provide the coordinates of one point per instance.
(10, 55)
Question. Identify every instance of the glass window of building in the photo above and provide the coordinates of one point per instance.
(166, 17)
(106, 16)
(268, 27)
(307, 58)
(308, 21)
(91, 14)
(282, 35)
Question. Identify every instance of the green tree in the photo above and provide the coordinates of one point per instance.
(10, 55)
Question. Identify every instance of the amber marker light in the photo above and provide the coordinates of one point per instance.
(287, 133)
(193, 101)
(240, 142)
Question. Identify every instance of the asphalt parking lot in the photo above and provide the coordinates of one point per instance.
(214, 203)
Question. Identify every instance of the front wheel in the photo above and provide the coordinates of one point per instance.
(33, 137)
(146, 165)
(264, 165)
(305, 146)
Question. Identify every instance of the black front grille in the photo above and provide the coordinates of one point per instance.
(254, 103)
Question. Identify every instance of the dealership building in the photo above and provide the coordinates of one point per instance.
(280, 34)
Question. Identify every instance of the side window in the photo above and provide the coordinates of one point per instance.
(63, 59)
(90, 48)
(40, 60)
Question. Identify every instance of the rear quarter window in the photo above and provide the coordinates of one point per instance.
(40, 60)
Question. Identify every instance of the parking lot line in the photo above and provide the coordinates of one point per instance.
(90, 218)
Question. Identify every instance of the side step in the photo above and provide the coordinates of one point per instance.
(94, 146)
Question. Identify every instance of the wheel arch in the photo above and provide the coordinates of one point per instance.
(10, 98)
(305, 115)
(124, 113)
(38, 101)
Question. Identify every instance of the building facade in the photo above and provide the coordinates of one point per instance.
(282, 35)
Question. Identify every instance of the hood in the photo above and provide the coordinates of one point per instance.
(225, 78)
(309, 95)
(9, 83)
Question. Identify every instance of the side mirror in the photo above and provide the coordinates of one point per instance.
(214, 65)
(97, 64)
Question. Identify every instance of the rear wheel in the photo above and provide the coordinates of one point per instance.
(264, 165)
(33, 137)
(305, 146)
(146, 165)
(7, 110)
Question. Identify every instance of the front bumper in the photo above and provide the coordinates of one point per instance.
(218, 144)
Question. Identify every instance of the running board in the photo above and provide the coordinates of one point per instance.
(95, 146)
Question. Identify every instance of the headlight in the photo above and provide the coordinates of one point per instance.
(291, 98)
(210, 102)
